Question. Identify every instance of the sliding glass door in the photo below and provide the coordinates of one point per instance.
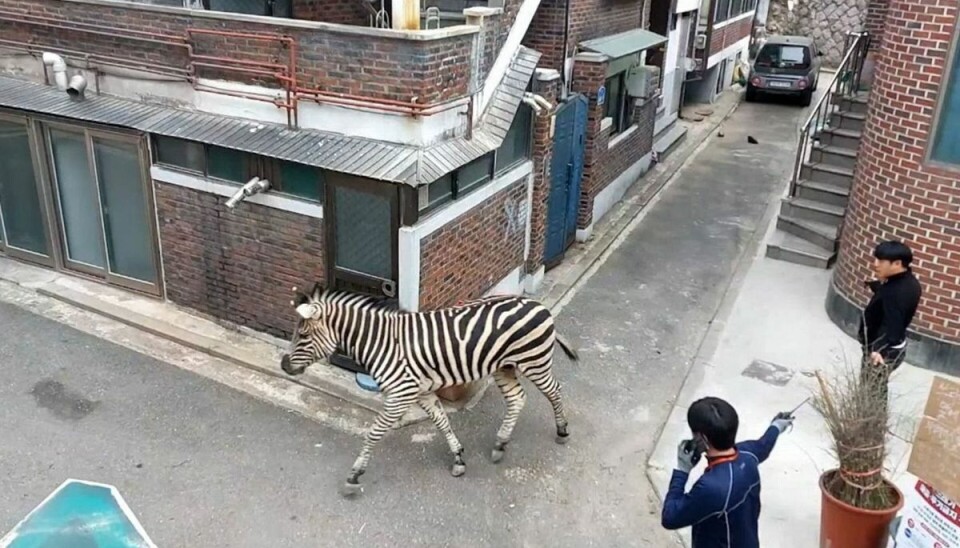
(103, 206)
(23, 228)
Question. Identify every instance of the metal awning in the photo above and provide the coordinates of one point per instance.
(380, 160)
(624, 43)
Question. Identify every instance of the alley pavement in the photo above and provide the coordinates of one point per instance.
(203, 465)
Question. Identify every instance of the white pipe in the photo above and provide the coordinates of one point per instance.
(59, 69)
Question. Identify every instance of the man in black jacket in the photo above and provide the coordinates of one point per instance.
(883, 327)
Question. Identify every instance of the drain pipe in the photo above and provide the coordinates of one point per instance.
(59, 69)
(253, 186)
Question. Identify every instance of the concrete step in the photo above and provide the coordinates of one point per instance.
(833, 156)
(823, 173)
(669, 139)
(844, 138)
(809, 210)
(819, 234)
(824, 193)
(853, 121)
(852, 103)
(787, 247)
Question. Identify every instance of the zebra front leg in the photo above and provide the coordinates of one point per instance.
(434, 409)
(394, 406)
(515, 398)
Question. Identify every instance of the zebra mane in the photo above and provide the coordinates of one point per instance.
(371, 301)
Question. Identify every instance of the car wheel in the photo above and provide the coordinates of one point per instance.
(751, 93)
(806, 98)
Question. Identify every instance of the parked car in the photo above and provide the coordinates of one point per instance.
(786, 65)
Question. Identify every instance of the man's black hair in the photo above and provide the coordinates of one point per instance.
(716, 420)
(894, 251)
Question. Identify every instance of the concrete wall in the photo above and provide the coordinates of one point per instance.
(826, 21)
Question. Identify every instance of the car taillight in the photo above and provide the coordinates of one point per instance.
(802, 83)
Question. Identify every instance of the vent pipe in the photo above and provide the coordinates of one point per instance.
(59, 69)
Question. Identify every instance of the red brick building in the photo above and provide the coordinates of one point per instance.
(907, 175)
(399, 160)
(216, 154)
(722, 41)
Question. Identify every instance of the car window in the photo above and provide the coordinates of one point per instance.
(784, 56)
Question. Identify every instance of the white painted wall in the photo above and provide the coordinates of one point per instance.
(670, 63)
(613, 193)
(684, 6)
(410, 237)
(742, 46)
(142, 86)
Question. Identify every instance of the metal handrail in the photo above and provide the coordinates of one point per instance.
(845, 82)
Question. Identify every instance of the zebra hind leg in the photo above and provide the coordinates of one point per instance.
(394, 406)
(542, 377)
(434, 409)
(515, 398)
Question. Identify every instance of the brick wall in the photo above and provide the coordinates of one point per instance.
(237, 265)
(343, 12)
(589, 19)
(542, 157)
(895, 194)
(340, 62)
(602, 163)
(876, 15)
(730, 34)
(469, 255)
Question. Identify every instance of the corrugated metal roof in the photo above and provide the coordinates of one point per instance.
(354, 155)
(624, 43)
(494, 123)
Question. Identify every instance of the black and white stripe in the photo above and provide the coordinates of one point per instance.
(412, 355)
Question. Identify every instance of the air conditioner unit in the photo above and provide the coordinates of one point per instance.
(700, 42)
(643, 81)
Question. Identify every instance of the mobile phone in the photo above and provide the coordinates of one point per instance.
(697, 447)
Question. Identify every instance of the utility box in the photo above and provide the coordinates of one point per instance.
(643, 81)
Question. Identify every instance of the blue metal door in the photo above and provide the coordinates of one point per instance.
(566, 170)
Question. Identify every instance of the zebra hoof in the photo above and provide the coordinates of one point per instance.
(458, 470)
(350, 490)
(562, 439)
(496, 455)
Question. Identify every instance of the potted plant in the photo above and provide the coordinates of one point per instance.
(858, 502)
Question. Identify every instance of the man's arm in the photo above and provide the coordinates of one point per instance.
(762, 447)
(683, 510)
(894, 328)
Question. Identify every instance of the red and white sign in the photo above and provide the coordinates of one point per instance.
(930, 520)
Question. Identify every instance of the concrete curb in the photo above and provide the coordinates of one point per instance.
(633, 205)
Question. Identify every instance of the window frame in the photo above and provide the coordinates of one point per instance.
(625, 108)
(255, 166)
(526, 112)
(952, 57)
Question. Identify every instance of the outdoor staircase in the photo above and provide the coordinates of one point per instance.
(808, 225)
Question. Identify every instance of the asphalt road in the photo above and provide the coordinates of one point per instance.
(203, 465)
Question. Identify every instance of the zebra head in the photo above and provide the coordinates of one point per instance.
(313, 338)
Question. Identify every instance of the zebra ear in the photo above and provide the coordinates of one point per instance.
(317, 290)
(308, 311)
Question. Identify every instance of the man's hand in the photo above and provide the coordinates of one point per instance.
(783, 421)
(687, 456)
(876, 358)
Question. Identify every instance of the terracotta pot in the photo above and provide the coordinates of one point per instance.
(845, 526)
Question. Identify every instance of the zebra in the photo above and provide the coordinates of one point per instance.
(411, 355)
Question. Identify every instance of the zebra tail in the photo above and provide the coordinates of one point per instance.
(567, 349)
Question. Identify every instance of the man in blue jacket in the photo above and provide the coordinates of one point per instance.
(723, 507)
